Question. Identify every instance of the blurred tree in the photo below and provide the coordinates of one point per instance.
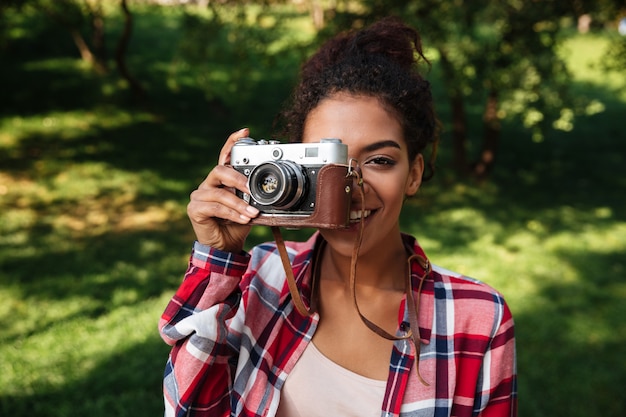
(615, 56)
(608, 13)
(87, 16)
(236, 49)
(601, 12)
(500, 53)
(120, 53)
(75, 16)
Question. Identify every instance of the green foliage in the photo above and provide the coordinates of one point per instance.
(508, 47)
(614, 58)
(94, 238)
(233, 52)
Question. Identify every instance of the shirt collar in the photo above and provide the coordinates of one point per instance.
(426, 295)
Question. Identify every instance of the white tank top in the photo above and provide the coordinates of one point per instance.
(318, 387)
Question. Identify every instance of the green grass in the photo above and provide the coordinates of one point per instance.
(94, 238)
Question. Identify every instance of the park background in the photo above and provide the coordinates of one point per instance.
(111, 112)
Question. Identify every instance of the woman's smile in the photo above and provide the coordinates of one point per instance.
(356, 215)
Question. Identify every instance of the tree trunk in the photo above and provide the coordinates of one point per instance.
(97, 27)
(459, 119)
(81, 44)
(60, 15)
(120, 53)
(317, 13)
(459, 134)
(491, 137)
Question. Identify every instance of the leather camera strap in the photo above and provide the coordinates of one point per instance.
(291, 279)
(412, 305)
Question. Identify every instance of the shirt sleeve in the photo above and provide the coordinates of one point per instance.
(497, 395)
(195, 323)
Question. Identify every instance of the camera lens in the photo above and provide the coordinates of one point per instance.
(269, 184)
(280, 184)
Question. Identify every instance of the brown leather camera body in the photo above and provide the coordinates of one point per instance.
(333, 196)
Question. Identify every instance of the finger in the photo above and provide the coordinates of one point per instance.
(220, 203)
(220, 185)
(224, 157)
(224, 176)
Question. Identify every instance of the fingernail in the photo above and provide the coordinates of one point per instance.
(252, 210)
(240, 134)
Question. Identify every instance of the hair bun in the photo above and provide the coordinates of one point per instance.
(388, 37)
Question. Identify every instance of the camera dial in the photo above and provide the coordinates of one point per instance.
(277, 153)
(246, 141)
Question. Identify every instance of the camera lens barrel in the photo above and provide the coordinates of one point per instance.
(280, 184)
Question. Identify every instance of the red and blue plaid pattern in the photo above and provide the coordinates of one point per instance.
(236, 336)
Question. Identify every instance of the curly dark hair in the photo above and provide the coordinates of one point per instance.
(379, 61)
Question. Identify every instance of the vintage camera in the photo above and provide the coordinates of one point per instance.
(296, 184)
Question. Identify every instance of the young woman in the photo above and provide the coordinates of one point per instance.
(407, 339)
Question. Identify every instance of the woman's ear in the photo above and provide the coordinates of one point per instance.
(414, 180)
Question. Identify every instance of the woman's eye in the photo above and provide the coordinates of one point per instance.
(381, 160)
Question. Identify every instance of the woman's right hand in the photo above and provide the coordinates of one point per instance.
(219, 218)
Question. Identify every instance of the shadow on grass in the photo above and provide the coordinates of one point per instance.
(573, 346)
(104, 272)
(128, 383)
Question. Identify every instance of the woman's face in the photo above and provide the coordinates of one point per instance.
(375, 139)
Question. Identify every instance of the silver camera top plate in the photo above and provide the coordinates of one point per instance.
(250, 152)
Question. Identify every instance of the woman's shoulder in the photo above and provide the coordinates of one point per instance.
(477, 307)
(446, 279)
(460, 283)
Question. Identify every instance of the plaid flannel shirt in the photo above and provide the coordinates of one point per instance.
(236, 336)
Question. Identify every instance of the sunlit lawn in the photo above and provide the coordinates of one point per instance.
(94, 239)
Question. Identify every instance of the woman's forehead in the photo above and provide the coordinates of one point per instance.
(355, 120)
